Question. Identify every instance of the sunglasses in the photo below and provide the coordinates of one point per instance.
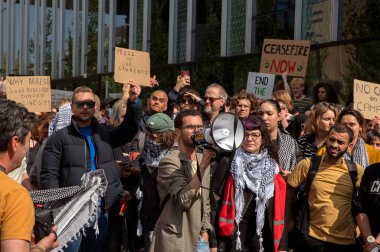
(211, 99)
(89, 104)
(189, 101)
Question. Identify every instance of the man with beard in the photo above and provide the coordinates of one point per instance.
(183, 182)
(84, 146)
(214, 101)
(329, 199)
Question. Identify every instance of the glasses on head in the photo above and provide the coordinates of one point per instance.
(211, 99)
(192, 127)
(254, 136)
(89, 104)
(189, 101)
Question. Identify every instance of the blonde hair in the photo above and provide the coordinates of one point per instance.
(312, 124)
(295, 81)
(285, 97)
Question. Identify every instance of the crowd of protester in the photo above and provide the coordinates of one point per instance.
(306, 177)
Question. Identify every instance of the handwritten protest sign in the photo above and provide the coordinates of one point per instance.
(367, 98)
(280, 56)
(32, 91)
(132, 65)
(260, 84)
(57, 95)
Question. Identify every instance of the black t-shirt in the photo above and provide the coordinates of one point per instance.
(369, 196)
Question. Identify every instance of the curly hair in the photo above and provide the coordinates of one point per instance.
(256, 123)
(182, 93)
(312, 123)
(330, 93)
(243, 95)
(15, 120)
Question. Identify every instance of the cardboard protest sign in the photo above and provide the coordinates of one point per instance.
(132, 65)
(57, 95)
(260, 84)
(289, 56)
(367, 98)
(32, 91)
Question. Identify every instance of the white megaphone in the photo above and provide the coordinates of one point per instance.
(226, 134)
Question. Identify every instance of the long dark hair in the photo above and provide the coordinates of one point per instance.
(256, 123)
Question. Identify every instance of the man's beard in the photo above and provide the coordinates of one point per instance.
(338, 156)
(210, 110)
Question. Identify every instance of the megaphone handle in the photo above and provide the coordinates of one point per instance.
(235, 128)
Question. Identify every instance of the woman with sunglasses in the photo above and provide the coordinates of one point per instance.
(288, 152)
(360, 152)
(250, 172)
(188, 98)
(317, 127)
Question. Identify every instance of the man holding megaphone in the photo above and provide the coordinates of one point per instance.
(183, 182)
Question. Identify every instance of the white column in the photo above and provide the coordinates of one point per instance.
(2, 14)
(54, 42)
(145, 25)
(223, 32)
(100, 37)
(132, 23)
(61, 39)
(74, 62)
(111, 35)
(26, 32)
(22, 38)
(334, 20)
(191, 9)
(298, 20)
(248, 26)
(36, 38)
(171, 53)
(43, 37)
(84, 37)
(10, 38)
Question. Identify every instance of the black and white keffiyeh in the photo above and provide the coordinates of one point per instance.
(256, 172)
(154, 152)
(359, 154)
(74, 208)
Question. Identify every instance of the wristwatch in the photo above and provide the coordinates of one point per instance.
(371, 239)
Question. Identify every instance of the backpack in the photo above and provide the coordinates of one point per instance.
(301, 205)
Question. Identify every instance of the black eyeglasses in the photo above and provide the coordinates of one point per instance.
(89, 104)
(189, 101)
(211, 99)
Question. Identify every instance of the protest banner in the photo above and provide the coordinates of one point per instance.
(57, 95)
(132, 65)
(32, 91)
(367, 98)
(289, 56)
(260, 84)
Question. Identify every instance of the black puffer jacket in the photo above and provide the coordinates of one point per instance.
(66, 156)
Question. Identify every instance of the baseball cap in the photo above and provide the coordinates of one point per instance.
(159, 122)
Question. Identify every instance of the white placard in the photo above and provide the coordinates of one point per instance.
(260, 84)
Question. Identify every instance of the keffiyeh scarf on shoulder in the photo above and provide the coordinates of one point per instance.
(256, 172)
(154, 152)
(359, 154)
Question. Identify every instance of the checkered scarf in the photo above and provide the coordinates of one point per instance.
(73, 216)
